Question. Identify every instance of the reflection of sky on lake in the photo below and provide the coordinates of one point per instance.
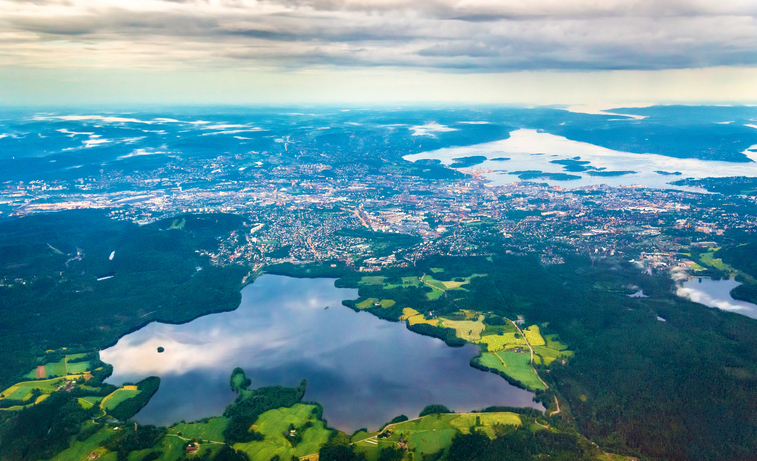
(363, 370)
(535, 150)
(716, 293)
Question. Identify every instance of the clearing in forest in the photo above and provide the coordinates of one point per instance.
(208, 429)
(308, 437)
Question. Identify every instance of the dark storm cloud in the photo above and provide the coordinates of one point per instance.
(471, 35)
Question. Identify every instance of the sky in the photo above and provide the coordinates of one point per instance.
(591, 52)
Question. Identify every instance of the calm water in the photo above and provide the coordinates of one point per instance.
(716, 293)
(363, 370)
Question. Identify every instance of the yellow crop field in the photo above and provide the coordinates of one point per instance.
(451, 285)
(408, 312)
(420, 318)
(468, 330)
(500, 342)
(534, 336)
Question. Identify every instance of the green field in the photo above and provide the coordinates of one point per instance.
(708, 259)
(211, 430)
(434, 432)
(435, 294)
(362, 435)
(172, 448)
(549, 355)
(554, 343)
(62, 368)
(515, 365)
(372, 280)
(89, 401)
(439, 286)
(81, 450)
(432, 282)
(487, 421)
(274, 423)
(22, 390)
(436, 270)
(119, 395)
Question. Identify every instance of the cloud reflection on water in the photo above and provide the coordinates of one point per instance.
(363, 370)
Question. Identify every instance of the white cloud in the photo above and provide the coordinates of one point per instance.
(478, 35)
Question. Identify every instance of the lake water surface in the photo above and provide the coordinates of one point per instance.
(363, 370)
(716, 293)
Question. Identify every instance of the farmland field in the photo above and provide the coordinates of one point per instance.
(516, 366)
(434, 294)
(62, 367)
(172, 448)
(549, 355)
(211, 430)
(89, 401)
(420, 318)
(430, 281)
(22, 390)
(533, 335)
(274, 423)
(119, 395)
(371, 302)
(372, 280)
(500, 342)
(436, 432)
(468, 330)
(487, 421)
(554, 343)
(81, 450)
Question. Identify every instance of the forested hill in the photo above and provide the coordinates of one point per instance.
(81, 280)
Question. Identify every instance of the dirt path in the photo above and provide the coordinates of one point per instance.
(557, 403)
(530, 349)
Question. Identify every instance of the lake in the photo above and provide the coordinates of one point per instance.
(716, 293)
(363, 370)
(528, 150)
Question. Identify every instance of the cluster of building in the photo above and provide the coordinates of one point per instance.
(297, 212)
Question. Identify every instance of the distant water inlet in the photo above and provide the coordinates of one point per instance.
(716, 293)
(363, 370)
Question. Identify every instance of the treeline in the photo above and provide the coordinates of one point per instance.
(521, 444)
(744, 258)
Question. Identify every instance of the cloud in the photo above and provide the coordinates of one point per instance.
(464, 35)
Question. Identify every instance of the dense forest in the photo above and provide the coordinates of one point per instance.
(62, 288)
(636, 385)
